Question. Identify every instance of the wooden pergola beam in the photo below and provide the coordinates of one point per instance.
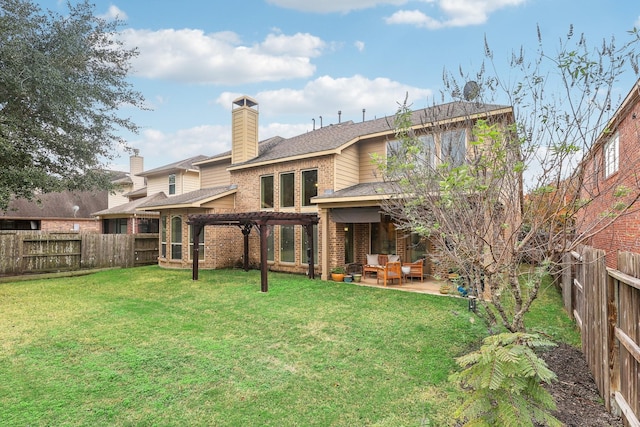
(247, 221)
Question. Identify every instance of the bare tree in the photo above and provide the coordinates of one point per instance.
(504, 214)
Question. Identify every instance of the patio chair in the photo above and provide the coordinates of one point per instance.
(390, 272)
(372, 265)
(416, 269)
(354, 268)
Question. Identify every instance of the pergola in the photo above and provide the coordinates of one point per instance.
(261, 221)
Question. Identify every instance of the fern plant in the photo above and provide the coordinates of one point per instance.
(504, 380)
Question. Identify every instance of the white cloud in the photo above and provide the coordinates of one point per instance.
(192, 56)
(299, 44)
(359, 45)
(327, 95)
(159, 148)
(114, 12)
(637, 23)
(323, 96)
(329, 6)
(456, 13)
(414, 17)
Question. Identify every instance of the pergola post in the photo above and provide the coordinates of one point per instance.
(308, 228)
(262, 220)
(196, 250)
(246, 230)
(264, 287)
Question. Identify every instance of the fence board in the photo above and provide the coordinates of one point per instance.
(595, 322)
(10, 251)
(566, 281)
(145, 249)
(628, 333)
(50, 252)
(38, 252)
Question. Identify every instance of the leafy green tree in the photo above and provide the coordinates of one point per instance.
(62, 84)
(503, 215)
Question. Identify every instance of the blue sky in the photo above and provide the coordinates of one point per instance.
(302, 59)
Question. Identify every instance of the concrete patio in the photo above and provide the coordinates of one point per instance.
(426, 286)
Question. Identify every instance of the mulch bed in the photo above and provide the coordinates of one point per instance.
(578, 400)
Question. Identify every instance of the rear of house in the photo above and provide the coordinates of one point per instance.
(328, 171)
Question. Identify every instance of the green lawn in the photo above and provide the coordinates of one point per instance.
(148, 346)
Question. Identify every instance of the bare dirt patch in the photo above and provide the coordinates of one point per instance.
(575, 392)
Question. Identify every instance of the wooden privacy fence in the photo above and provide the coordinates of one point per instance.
(29, 252)
(605, 304)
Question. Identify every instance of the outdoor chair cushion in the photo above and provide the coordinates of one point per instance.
(372, 259)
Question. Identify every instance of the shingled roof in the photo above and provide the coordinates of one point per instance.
(333, 137)
(63, 205)
(130, 208)
(182, 165)
(192, 198)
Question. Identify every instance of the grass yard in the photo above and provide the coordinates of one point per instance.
(147, 346)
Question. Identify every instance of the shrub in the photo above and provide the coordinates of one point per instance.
(504, 379)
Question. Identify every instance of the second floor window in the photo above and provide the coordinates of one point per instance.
(266, 192)
(172, 184)
(287, 190)
(427, 156)
(453, 147)
(611, 156)
(309, 186)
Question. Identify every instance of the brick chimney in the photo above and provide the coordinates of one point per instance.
(244, 132)
(136, 166)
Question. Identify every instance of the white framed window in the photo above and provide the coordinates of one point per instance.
(287, 243)
(611, 156)
(172, 183)
(163, 234)
(266, 192)
(427, 154)
(309, 186)
(453, 147)
(287, 190)
(176, 237)
(394, 148)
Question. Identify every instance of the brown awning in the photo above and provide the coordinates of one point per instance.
(356, 215)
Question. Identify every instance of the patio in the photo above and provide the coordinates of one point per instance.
(426, 286)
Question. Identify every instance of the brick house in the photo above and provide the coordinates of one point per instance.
(59, 212)
(328, 171)
(610, 181)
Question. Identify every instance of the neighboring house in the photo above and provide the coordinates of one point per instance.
(56, 212)
(121, 215)
(174, 179)
(328, 171)
(610, 181)
(131, 182)
(127, 219)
